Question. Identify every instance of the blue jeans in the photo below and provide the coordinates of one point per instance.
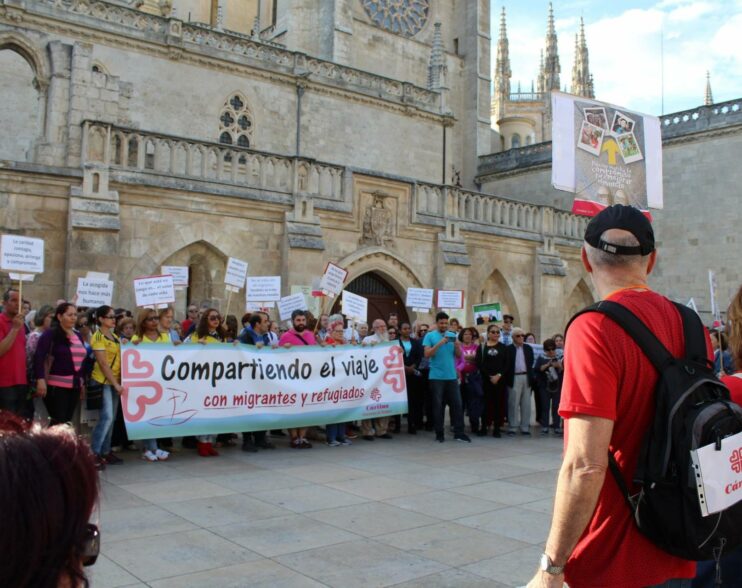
(677, 583)
(101, 442)
(448, 391)
(335, 432)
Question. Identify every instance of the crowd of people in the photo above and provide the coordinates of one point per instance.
(55, 358)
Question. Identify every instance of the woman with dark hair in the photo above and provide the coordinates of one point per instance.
(59, 365)
(492, 359)
(48, 490)
(42, 322)
(209, 330)
(231, 328)
(147, 331)
(470, 378)
(107, 373)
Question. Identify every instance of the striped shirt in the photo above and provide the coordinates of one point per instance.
(78, 352)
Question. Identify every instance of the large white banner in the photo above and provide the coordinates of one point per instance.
(218, 388)
(606, 154)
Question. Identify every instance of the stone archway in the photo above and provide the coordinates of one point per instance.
(496, 289)
(383, 299)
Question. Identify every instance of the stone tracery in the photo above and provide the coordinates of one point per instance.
(405, 17)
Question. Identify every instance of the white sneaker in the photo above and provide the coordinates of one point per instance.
(162, 455)
(149, 456)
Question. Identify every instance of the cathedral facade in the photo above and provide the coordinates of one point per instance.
(287, 134)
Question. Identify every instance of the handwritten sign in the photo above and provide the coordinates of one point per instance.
(419, 298)
(179, 273)
(289, 304)
(450, 299)
(22, 254)
(264, 288)
(236, 273)
(355, 306)
(333, 279)
(94, 292)
(154, 290)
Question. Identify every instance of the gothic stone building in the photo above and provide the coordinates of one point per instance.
(291, 133)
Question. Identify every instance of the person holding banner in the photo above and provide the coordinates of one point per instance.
(147, 331)
(59, 366)
(378, 427)
(413, 354)
(107, 372)
(336, 336)
(13, 377)
(298, 335)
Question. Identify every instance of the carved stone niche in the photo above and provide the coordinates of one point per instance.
(379, 219)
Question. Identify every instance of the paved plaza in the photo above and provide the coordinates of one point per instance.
(406, 512)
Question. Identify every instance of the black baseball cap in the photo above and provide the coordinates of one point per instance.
(622, 217)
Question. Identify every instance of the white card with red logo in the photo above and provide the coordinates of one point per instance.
(719, 474)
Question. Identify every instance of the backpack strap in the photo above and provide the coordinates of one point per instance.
(695, 337)
(655, 351)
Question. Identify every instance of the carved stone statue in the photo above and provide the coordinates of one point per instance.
(378, 222)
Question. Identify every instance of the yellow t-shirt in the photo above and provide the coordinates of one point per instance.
(161, 338)
(208, 339)
(113, 356)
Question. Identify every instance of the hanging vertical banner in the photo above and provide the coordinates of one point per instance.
(715, 311)
(605, 154)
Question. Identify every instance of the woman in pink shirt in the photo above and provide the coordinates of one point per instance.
(472, 396)
(59, 365)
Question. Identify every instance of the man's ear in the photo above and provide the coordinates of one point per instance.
(585, 262)
(652, 261)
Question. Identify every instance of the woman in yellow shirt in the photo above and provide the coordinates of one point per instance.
(147, 331)
(209, 330)
(107, 371)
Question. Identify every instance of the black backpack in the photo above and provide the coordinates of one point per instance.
(692, 410)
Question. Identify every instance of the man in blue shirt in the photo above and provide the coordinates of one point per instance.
(442, 347)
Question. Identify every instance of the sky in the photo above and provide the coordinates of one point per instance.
(626, 41)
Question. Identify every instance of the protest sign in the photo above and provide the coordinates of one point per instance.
(355, 306)
(312, 301)
(606, 154)
(258, 306)
(333, 279)
(236, 273)
(94, 292)
(715, 310)
(419, 299)
(154, 290)
(97, 276)
(719, 474)
(263, 288)
(485, 314)
(20, 254)
(218, 388)
(21, 277)
(450, 299)
(179, 273)
(289, 304)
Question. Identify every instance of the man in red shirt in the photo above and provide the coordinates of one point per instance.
(607, 403)
(13, 379)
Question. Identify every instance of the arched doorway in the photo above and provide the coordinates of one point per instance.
(382, 297)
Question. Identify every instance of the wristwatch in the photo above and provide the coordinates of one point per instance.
(546, 565)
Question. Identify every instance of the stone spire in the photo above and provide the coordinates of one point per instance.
(708, 99)
(551, 68)
(437, 63)
(502, 70)
(582, 84)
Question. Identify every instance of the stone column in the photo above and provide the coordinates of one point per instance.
(452, 265)
(549, 297)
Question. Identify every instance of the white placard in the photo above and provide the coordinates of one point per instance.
(264, 288)
(21, 277)
(236, 272)
(179, 273)
(720, 483)
(154, 290)
(94, 292)
(97, 276)
(258, 306)
(289, 304)
(419, 298)
(333, 279)
(355, 306)
(22, 254)
(450, 299)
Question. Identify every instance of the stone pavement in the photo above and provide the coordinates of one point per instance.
(404, 512)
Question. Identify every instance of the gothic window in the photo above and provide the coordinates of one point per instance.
(404, 17)
(236, 122)
(529, 139)
(515, 141)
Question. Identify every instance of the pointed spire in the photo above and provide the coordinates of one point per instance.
(551, 68)
(708, 99)
(581, 77)
(437, 63)
(502, 70)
